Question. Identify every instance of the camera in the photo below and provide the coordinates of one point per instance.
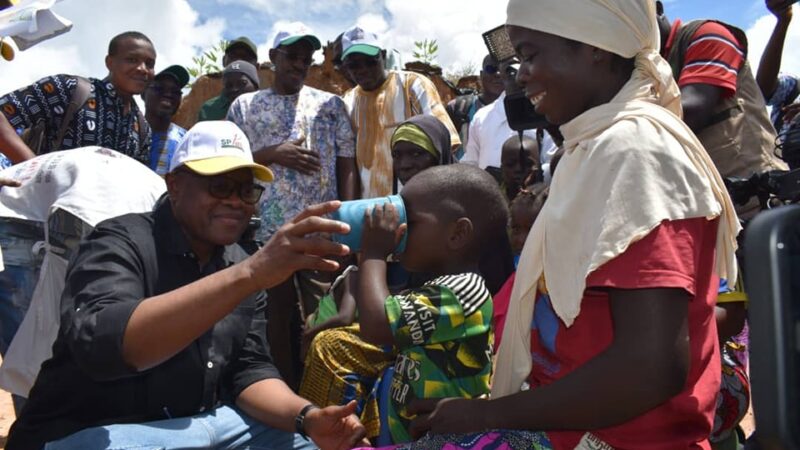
(520, 112)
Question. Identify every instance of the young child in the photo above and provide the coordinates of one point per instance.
(440, 332)
(522, 213)
(417, 144)
(519, 161)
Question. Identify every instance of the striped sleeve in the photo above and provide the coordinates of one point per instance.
(442, 310)
(714, 57)
(469, 288)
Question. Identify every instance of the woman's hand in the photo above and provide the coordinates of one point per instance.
(447, 416)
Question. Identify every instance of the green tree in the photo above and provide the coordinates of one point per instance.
(426, 51)
(210, 61)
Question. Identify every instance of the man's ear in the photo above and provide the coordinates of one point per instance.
(174, 185)
(108, 63)
(461, 234)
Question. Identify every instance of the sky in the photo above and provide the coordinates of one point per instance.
(181, 29)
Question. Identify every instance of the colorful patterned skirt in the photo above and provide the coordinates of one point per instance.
(341, 367)
(490, 440)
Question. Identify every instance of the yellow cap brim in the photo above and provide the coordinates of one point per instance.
(223, 164)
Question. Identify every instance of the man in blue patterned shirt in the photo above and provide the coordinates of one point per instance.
(161, 101)
(108, 118)
(306, 138)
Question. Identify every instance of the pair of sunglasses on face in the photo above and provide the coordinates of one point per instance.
(222, 187)
(511, 70)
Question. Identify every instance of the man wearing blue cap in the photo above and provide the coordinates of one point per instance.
(305, 136)
(161, 101)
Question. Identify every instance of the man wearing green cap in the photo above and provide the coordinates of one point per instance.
(305, 136)
(161, 101)
(382, 101)
(239, 49)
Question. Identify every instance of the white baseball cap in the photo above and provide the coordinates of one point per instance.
(292, 32)
(356, 40)
(214, 147)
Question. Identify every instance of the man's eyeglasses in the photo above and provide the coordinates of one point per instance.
(222, 187)
(163, 91)
(296, 57)
(351, 64)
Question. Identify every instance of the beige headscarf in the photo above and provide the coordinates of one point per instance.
(628, 165)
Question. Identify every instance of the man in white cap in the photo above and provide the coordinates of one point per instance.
(162, 343)
(382, 101)
(305, 136)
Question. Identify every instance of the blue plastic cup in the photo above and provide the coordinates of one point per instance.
(352, 213)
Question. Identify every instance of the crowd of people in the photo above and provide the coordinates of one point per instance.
(574, 286)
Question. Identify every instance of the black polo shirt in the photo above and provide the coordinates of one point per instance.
(87, 383)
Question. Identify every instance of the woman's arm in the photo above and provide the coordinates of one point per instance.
(646, 364)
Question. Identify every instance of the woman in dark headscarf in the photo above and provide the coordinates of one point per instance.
(417, 144)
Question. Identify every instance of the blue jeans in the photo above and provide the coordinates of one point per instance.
(223, 428)
(17, 282)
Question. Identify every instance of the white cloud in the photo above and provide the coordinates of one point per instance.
(373, 22)
(758, 35)
(456, 26)
(172, 25)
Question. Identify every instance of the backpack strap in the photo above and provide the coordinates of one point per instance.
(80, 94)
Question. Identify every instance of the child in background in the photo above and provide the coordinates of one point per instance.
(519, 162)
(441, 331)
(523, 212)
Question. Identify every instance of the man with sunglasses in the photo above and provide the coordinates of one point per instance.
(305, 136)
(163, 336)
(381, 102)
(463, 108)
(489, 128)
(161, 101)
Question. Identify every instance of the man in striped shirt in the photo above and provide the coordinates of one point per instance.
(719, 95)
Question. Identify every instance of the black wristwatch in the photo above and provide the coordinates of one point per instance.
(300, 419)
